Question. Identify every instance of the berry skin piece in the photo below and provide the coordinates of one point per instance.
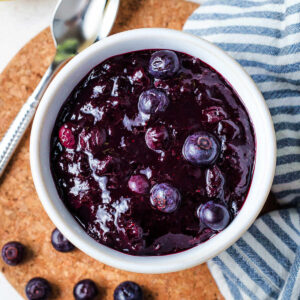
(66, 136)
(213, 215)
(214, 181)
(138, 184)
(13, 253)
(134, 231)
(38, 289)
(153, 101)
(85, 289)
(165, 197)
(157, 138)
(213, 114)
(140, 78)
(201, 148)
(164, 64)
(59, 242)
(92, 139)
(128, 290)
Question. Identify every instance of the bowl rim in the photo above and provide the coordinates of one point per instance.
(149, 264)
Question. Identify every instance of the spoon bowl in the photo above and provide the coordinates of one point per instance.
(78, 24)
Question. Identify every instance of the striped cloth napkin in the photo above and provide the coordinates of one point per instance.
(264, 37)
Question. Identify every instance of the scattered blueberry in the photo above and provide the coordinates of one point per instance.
(138, 184)
(60, 243)
(66, 136)
(213, 215)
(128, 290)
(153, 101)
(38, 289)
(165, 197)
(157, 137)
(163, 64)
(85, 290)
(13, 253)
(201, 148)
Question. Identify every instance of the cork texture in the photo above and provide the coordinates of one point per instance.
(22, 216)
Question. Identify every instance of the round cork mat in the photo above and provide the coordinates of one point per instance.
(22, 216)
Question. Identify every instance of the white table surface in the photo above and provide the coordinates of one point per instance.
(20, 20)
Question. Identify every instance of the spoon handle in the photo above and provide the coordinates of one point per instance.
(18, 127)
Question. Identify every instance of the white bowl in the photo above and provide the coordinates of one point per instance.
(133, 40)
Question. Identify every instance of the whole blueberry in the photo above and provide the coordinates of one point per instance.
(59, 242)
(128, 290)
(85, 289)
(13, 253)
(66, 136)
(38, 289)
(201, 148)
(153, 101)
(138, 184)
(213, 215)
(163, 64)
(165, 198)
(157, 137)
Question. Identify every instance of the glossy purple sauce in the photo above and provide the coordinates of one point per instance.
(92, 177)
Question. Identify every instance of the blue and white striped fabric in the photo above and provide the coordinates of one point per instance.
(264, 37)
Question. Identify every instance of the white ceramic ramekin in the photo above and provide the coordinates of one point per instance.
(68, 78)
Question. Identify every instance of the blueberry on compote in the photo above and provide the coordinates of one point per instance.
(153, 101)
(128, 290)
(59, 242)
(163, 64)
(138, 184)
(85, 289)
(13, 253)
(38, 289)
(213, 215)
(66, 136)
(157, 137)
(201, 148)
(165, 198)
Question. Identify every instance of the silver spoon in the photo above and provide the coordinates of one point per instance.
(76, 25)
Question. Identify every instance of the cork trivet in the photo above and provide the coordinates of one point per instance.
(22, 216)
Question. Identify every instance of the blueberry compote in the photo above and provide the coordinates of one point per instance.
(153, 152)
